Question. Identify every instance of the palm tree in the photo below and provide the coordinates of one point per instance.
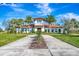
(50, 19)
(12, 25)
(19, 24)
(28, 20)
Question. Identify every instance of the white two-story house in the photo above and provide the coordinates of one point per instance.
(39, 24)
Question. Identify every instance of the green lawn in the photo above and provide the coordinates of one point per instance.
(7, 38)
(71, 39)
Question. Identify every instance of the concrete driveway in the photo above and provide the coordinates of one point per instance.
(55, 48)
(21, 48)
(60, 48)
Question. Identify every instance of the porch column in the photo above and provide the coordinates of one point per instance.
(27, 30)
(17, 30)
(43, 29)
(49, 29)
(58, 30)
(62, 30)
(54, 29)
(24, 30)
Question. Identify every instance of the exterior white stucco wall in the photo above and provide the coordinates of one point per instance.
(35, 29)
(42, 29)
(62, 29)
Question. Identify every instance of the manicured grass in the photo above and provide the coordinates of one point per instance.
(7, 38)
(71, 39)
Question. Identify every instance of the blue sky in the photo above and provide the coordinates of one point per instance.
(21, 10)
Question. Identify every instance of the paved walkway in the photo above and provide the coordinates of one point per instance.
(60, 48)
(21, 48)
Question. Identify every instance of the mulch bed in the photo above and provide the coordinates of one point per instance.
(38, 44)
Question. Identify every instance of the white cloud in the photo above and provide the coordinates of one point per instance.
(0, 23)
(68, 16)
(9, 4)
(20, 13)
(44, 9)
(17, 10)
(14, 6)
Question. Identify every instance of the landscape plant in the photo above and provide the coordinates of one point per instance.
(38, 36)
(70, 25)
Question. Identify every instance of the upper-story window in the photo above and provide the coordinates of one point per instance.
(39, 21)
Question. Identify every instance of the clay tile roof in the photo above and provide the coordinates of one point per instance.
(45, 25)
(18, 26)
(55, 26)
(38, 25)
(24, 26)
(38, 18)
(42, 25)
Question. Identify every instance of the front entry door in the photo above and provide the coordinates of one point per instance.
(38, 29)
